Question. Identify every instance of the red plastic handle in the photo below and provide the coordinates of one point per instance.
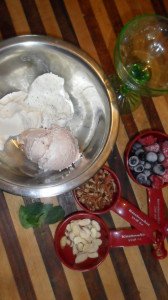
(128, 237)
(138, 219)
(156, 208)
(156, 205)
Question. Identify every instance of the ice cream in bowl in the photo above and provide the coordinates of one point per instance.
(58, 116)
(51, 149)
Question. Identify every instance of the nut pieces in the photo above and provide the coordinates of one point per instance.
(83, 236)
(97, 193)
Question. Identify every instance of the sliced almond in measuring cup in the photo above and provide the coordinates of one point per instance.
(63, 241)
(93, 232)
(81, 257)
(83, 236)
(75, 229)
(96, 225)
(78, 239)
(93, 255)
(84, 222)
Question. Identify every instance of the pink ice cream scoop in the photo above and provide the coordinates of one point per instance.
(54, 148)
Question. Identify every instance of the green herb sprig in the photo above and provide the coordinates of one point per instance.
(36, 214)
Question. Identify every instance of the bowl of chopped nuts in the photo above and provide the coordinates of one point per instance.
(82, 241)
(99, 193)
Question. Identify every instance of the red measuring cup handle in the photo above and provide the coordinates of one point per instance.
(159, 250)
(128, 237)
(138, 219)
(156, 205)
(156, 208)
(166, 228)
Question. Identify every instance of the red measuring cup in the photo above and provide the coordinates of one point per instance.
(154, 191)
(109, 238)
(129, 212)
(152, 143)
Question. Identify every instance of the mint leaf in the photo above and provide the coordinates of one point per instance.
(29, 215)
(36, 214)
(54, 215)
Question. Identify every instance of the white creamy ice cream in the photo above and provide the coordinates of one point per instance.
(46, 104)
(15, 116)
(47, 94)
(52, 149)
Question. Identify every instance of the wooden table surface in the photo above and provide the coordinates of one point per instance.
(29, 268)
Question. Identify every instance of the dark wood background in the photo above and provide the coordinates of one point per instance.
(29, 268)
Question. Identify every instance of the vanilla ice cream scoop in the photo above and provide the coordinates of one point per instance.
(52, 149)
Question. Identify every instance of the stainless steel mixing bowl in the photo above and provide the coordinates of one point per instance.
(95, 121)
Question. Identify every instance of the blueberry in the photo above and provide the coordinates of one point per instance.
(136, 146)
(151, 157)
(148, 183)
(159, 169)
(137, 152)
(133, 161)
(142, 178)
(139, 168)
(147, 166)
(147, 173)
(161, 157)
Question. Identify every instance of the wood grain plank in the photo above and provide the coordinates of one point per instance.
(64, 22)
(7, 282)
(121, 266)
(33, 17)
(81, 30)
(52, 264)
(47, 16)
(104, 24)
(14, 253)
(77, 284)
(141, 118)
(33, 259)
(94, 285)
(124, 274)
(135, 7)
(110, 280)
(6, 25)
(20, 24)
(165, 4)
(146, 6)
(161, 106)
(159, 7)
(137, 266)
(164, 264)
(114, 15)
(152, 115)
(155, 273)
(98, 40)
(125, 9)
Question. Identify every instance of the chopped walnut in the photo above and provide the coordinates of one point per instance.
(97, 193)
